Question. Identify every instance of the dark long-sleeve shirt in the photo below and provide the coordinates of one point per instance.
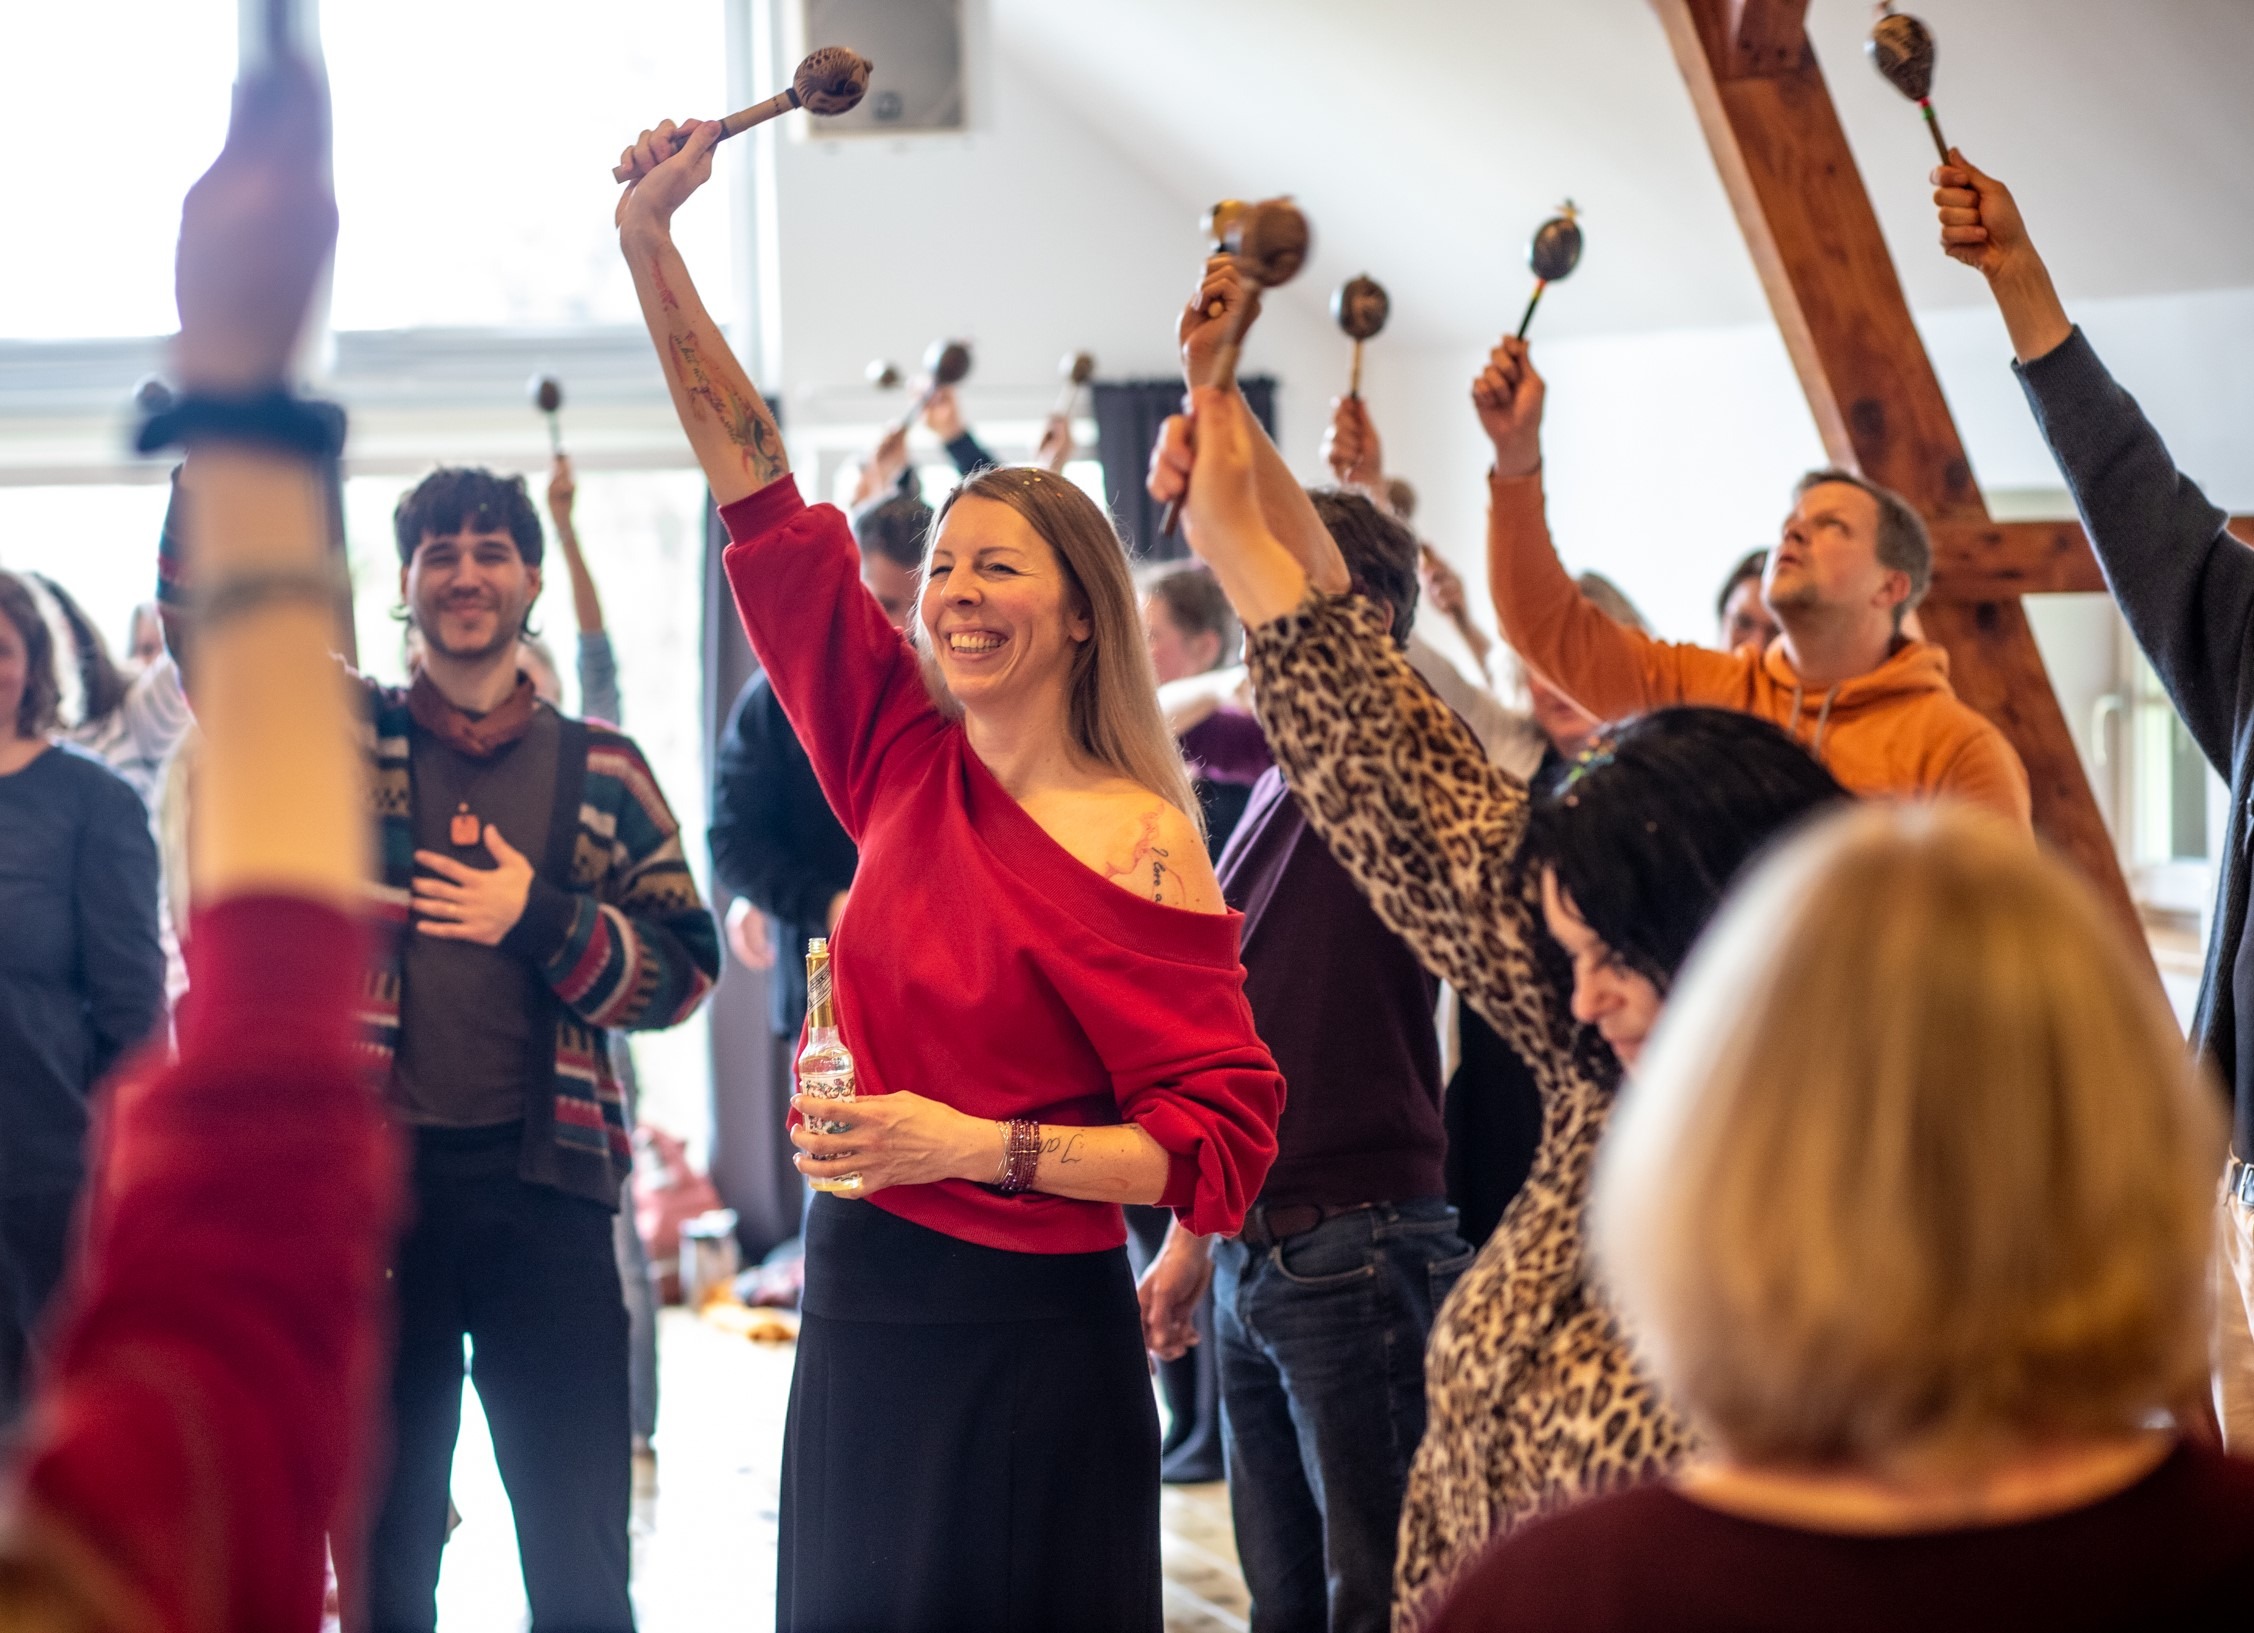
(969, 454)
(81, 968)
(2186, 587)
(775, 840)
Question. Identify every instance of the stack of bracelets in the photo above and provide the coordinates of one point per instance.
(1021, 1155)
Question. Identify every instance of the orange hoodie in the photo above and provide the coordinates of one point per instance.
(1897, 730)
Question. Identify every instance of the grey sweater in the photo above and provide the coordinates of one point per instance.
(2186, 587)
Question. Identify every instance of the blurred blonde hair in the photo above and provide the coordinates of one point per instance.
(1115, 718)
(1917, 1158)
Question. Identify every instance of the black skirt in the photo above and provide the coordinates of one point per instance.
(972, 1442)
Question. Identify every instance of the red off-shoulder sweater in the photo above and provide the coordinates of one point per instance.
(979, 962)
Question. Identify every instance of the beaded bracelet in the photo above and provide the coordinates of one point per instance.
(1021, 1155)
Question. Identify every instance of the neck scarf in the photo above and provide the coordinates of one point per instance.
(480, 736)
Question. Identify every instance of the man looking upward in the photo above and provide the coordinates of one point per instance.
(1870, 702)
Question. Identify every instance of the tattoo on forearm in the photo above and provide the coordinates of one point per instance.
(744, 418)
(1064, 1147)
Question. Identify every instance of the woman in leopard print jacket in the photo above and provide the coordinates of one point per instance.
(1533, 1398)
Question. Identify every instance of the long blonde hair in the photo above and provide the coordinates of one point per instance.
(1917, 1159)
(1114, 716)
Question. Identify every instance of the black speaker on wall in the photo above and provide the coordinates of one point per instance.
(918, 49)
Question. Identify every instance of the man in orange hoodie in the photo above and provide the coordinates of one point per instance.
(1874, 705)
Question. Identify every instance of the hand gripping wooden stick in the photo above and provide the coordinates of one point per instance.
(831, 81)
(1269, 242)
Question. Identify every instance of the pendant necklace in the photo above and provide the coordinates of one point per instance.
(465, 829)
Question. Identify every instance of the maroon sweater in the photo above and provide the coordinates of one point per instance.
(211, 1388)
(979, 962)
(2173, 1551)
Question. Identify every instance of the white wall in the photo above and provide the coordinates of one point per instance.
(1033, 235)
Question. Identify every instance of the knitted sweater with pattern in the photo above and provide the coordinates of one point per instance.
(614, 925)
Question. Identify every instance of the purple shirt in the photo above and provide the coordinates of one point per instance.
(1227, 746)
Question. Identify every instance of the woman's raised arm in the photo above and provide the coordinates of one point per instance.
(735, 437)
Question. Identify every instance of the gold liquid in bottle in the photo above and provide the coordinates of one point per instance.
(825, 1068)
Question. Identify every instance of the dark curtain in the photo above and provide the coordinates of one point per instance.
(751, 1166)
(1128, 415)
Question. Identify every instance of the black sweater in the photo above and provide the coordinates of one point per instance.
(81, 971)
(2186, 587)
(775, 841)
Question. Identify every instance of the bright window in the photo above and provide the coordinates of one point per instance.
(99, 160)
(474, 144)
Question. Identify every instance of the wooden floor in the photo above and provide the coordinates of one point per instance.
(704, 1537)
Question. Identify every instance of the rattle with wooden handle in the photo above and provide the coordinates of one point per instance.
(1077, 369)
(946, 363)
(1555, 252)
(1269, 242)
(1901, 48)
(1360, 307)
(831, 81)
(547, 397)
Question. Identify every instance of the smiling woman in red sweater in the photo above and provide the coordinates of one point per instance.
(1041, 991)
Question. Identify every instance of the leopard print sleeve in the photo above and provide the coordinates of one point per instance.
(1408, 802)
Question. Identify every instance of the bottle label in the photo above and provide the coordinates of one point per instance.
(826, 1086)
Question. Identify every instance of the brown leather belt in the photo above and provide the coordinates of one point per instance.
(1265, 1227)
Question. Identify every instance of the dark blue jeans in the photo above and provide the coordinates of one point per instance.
(1322, 1396)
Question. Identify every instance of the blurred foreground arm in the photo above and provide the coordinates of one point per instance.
(210, 1392)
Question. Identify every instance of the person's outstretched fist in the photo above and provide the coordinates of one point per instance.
(1351, 447)
(255, 233)
(1982, 227)
(1211, 317)
(563, 489)
(661, 179)
(1980, 220)
(1508, 395)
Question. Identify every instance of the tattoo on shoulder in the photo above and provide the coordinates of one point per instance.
(1149, 864)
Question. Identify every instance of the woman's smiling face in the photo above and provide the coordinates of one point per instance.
(998, 610)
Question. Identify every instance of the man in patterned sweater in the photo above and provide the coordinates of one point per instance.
(533, 897)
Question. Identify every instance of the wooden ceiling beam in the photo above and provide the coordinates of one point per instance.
(1764, 36)
(1986, 561)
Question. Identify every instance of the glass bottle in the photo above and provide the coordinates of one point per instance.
(825, 1068)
